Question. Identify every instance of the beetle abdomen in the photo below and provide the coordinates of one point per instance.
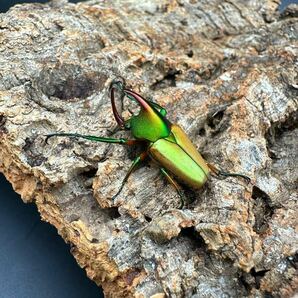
(179, 162)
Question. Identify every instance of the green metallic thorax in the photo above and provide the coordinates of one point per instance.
(149, 125)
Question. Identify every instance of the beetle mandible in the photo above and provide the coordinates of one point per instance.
(166, 143)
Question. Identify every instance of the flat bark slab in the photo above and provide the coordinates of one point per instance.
(226, 71)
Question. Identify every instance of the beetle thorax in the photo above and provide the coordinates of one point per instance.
(149, 126)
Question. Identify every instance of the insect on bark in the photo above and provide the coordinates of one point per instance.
(166, 143)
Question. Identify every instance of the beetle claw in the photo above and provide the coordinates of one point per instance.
(47, 138)
(182, 200)
(118, 192)
(181, 205)
(247, 179)
(114, 197)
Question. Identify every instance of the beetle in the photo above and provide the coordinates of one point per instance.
(166, 143)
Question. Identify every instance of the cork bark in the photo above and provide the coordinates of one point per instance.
(226, 71)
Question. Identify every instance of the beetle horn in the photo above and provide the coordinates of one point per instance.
(140, 100)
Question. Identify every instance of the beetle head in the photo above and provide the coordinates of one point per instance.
(150, 124)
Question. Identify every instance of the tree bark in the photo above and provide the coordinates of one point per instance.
(226, 71)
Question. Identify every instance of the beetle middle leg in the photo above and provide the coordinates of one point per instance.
(218, 172)
(136, 161)
(176, 185)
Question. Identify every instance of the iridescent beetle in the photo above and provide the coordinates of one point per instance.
(167, 144)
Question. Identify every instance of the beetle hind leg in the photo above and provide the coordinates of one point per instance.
(218, 172)
(176, 185)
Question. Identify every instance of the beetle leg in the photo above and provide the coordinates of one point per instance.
(136, 161)
(176, 185)
(218, 172)
(94, 138)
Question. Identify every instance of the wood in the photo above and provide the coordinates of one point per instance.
(226, 73)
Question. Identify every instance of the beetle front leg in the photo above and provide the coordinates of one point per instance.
(218, 172)
(94, 138)
(136, 161)
(176, 185)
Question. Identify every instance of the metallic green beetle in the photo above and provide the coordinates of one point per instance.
(167, 144)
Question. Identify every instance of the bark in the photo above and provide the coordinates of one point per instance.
(226, 71)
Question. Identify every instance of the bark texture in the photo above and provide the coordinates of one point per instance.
(227, 73)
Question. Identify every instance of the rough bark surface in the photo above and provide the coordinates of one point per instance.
(227, 73)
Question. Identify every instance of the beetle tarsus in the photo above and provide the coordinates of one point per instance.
(225, 174)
